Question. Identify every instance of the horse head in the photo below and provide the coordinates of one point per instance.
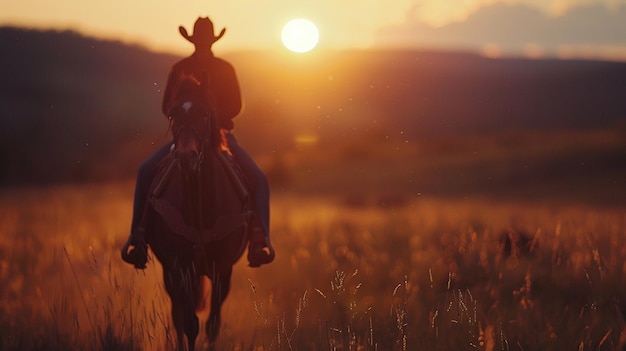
(193, 122)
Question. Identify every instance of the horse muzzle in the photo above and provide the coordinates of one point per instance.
(189, 159)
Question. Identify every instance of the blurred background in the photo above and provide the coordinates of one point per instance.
(404, 152)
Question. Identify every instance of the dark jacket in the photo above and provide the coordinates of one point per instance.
(225, 93)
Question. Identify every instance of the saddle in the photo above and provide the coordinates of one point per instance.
(225, 204)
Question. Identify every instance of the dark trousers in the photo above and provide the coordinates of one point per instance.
(255, 175)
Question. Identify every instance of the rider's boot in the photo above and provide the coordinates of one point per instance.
(260, 250)
(135, 251)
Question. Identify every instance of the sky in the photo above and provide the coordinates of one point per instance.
(533, 28)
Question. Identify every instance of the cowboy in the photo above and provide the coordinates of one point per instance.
(226, 100)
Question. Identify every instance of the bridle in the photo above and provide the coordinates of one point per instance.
(193, 123)
(199, 128)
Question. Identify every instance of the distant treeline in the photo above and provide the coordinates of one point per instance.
(81, 109)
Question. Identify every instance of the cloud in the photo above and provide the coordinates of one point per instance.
(517, 29)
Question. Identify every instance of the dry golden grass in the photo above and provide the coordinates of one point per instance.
(349, 275)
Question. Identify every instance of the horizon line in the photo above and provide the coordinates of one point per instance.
(489, 53)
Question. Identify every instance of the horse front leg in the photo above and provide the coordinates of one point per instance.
(180, 285)
(179, 320)
(219, 291)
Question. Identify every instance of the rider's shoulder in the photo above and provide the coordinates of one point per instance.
(182, 64)
(222, 62)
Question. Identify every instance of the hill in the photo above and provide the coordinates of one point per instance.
(71, 103)
(427, 93)
(80, 109)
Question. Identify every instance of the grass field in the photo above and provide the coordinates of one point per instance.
(417, 273)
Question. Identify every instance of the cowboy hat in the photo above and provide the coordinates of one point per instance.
(202, 32)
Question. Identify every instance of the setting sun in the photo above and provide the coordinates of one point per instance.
(300, 35)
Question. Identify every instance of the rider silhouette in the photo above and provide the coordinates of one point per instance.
(226, 99)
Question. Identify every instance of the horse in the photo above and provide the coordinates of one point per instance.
(197, 220)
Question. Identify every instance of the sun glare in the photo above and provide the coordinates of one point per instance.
(300, 35)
